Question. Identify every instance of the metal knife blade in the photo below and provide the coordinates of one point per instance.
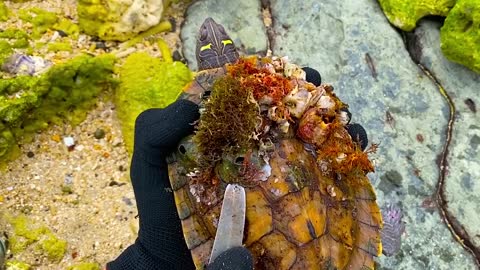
(232, 221)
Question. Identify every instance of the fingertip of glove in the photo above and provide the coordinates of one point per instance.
(236, 258)
(312, 76)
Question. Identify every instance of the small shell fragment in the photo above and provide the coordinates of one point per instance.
(20, 64)
(393, 228)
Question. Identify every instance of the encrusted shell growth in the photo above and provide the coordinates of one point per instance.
(309, 202)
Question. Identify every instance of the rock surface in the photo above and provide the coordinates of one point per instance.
(118, 20)
(400, 107)
(463, 192)
(460, 36)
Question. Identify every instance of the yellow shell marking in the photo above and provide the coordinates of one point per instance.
(206, 47)
(226, 41)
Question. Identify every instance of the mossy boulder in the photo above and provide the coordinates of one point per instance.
(118, 20)
(65, 92)
(404, 14)
(147, 82)
(460, 35)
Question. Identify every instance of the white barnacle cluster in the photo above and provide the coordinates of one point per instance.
(305, 103)
(196, 190)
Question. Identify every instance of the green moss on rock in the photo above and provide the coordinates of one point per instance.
(4, 12)
(404, 14)
(460, 35)
(117, 20)
(68, 27)
(26, 234)
(53, 247)
(41, 19)
(66, 91)
(85, 266)
(147, 82)
(59, 46)
(5, 51)
(17, 265)
(11, 38)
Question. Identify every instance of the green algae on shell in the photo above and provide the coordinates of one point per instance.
(146, 82)
(404, 14)
(460, 38)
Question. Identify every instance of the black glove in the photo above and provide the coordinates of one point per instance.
(160, 243)
(237, 258)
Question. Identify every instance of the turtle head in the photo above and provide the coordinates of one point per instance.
(215, 48)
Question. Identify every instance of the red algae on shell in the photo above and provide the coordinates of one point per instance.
(260, 80)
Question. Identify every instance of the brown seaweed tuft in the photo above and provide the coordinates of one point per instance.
(228, 122)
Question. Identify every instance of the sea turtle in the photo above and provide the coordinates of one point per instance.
(263, 126)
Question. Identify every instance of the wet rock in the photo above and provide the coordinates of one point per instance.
(404, 14)
(390, 180)
(243, 19)
(464, 157)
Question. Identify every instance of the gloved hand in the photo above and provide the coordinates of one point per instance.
(160, 243)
